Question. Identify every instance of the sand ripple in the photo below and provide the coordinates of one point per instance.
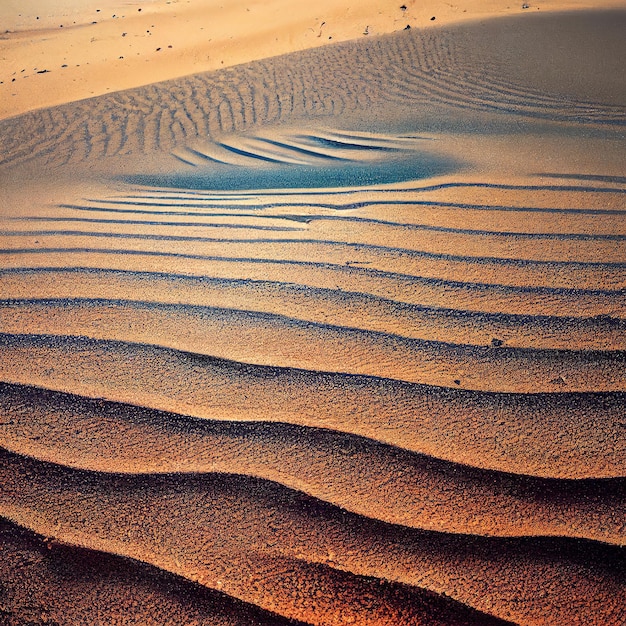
(331, 338)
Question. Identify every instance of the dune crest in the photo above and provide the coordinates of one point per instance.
(84, 49)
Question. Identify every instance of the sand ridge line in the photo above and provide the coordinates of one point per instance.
(320, 311)
(342, 469)
(157, 597)
(489, 425)
(327, 281)
(258, 338)
(125, 45)
(335, 540)
(387, 601)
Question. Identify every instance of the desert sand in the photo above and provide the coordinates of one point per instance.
(312, 318)
(67, 50)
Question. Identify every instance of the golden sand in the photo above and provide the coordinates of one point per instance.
(67, 50)
(335, 337)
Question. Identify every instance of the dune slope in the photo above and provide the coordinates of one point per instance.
(329, 338)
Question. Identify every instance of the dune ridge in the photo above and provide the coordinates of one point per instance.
(420, 69)
(161, 596)
(415, 417)
(40, 424)
(328, 338)
(329, 541)
(73, 50)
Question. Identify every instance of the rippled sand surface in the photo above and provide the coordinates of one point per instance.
(331, 338)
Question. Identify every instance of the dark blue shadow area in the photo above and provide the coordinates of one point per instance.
(410, 166)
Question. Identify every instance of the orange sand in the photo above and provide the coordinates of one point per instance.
(335, 337)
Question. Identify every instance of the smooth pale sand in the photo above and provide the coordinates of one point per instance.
(91, 47)
(333, 337)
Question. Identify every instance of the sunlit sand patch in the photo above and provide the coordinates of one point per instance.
(335, 337)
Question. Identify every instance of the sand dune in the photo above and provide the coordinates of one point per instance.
(352, 472)
(28, 560)
(420, 73)
(335, 337)
(292, 542)
(72, 49)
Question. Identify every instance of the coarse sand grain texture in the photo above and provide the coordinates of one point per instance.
(312, 313)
